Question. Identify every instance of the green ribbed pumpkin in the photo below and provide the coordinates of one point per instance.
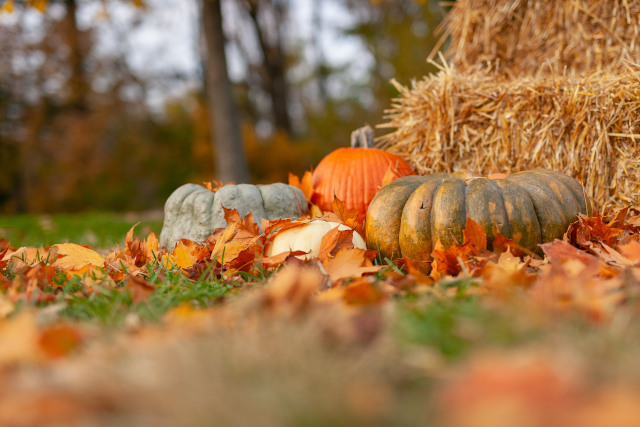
(408, 216)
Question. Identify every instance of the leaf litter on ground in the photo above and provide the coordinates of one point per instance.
(593, 272)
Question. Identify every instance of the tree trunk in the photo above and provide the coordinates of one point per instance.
(231, 163)
(274, 62)
(78, 81)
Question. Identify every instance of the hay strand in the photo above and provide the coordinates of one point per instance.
(532, 37)
(585, 126)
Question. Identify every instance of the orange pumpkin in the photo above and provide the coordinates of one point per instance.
(354, 175)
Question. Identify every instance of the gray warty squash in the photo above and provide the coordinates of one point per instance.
(193, 212)
(408, 216)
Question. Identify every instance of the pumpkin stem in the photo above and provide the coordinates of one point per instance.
(362, 137)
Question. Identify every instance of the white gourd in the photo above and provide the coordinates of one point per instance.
(308, 238)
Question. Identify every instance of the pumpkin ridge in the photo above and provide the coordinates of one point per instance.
(504, 207)
(544, 208)
(570, 184)
(448, 217)
(571, 208)
(412, 236)
(521, 204)
(536, 215)
(485, 206)
(431, 222)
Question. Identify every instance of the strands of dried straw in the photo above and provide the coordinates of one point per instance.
(517, 37)
(586, 126)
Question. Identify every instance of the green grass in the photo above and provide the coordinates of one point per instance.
(99, 230)
(112, 306)
(456, 326)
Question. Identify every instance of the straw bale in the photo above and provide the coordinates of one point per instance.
(585, 126)
(530, 37)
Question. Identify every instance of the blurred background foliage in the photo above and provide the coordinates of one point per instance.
(86, 124)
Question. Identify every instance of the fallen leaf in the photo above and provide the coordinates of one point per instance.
(509, 390)
(363, 292)
(186, 253)
(631, 250)
(73, 257)
(349, 263)
(58, 340)
(574, 285)
(348, 217)
(502, 244)
(279, 259)
(26, 256)
(559, 251)
(213, 185)
(474, 236)
(290, 291)
(334, 241)
(139, 289)
(18, 339)
(305, 185)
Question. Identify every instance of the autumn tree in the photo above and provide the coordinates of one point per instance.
(231, 164)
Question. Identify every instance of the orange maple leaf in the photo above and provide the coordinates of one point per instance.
(239, 244)
(334, 241)
(305, 185)
(452, 260)
(348, 217)
(350, 263)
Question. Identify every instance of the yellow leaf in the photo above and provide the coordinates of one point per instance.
(168, 261)
(184, 255)
(151, 246)
(74, 257)
(8, 6)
